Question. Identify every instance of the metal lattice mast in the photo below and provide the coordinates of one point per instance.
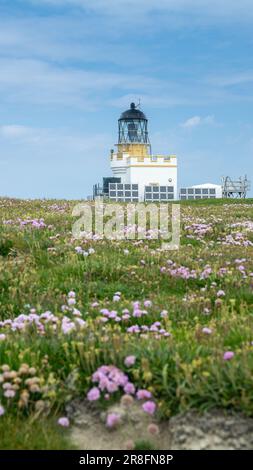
(235, 188)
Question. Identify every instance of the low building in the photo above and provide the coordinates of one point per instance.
(201, 191)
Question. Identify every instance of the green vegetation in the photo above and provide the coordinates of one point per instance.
(201, 295)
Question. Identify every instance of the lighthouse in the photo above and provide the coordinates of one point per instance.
(138, 175)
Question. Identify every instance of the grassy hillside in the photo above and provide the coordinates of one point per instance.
(68, 307)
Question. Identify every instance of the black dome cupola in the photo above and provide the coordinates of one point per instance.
(133, 127)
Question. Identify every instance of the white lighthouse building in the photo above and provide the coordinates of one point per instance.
(137, 174)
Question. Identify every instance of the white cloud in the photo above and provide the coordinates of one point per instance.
(14, 131)
(49, 60)
(40, 82)
(23, 134)
(196, 10)
(196, 121)
(47, 162)
(52, 139)
(231, 79)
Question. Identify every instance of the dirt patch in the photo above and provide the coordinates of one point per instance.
(211, 431)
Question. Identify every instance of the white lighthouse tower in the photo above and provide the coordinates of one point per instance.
(139, 175)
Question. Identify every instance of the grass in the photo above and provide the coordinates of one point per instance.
(143, 445)
(23, 434)
(48, 367)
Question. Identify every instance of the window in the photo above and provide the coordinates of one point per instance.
(135, 193)
(112, 193)
(212, 191)
(183, 191)
(204, 191)
(170, 189)
(148, 196)
(112, 185)
(127, 186)
(156, 196)
(120, 186)
(197, 191)
(164, 196)
(134, 186)
(148, 189)
(155, 189)
(170, 196)
(120, 193)
(128, 193)
(190, 191)
(163, 189)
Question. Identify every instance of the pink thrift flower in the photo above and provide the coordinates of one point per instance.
(116, 298)
(129, 388)
(228, 355)
(93, 394)
(207, 331)
(9, 393)
(2, 337)
(143, 395)
(112, 420)
(64, 422)
(147, 303)
(137, 313)
(130, 361)
(164, 314)
(220, 293)
(2, 410)
(71, 294)
(112, 387)
(136, 305)
(153, 429)
(149, 407)
(129, 445)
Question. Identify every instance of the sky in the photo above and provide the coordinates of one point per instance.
(68, 68)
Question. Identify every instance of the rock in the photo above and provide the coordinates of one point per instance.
(215, 430)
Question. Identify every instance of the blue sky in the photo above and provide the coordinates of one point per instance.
(68, 68)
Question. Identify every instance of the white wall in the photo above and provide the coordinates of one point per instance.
(145, 173)
(145, 176)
